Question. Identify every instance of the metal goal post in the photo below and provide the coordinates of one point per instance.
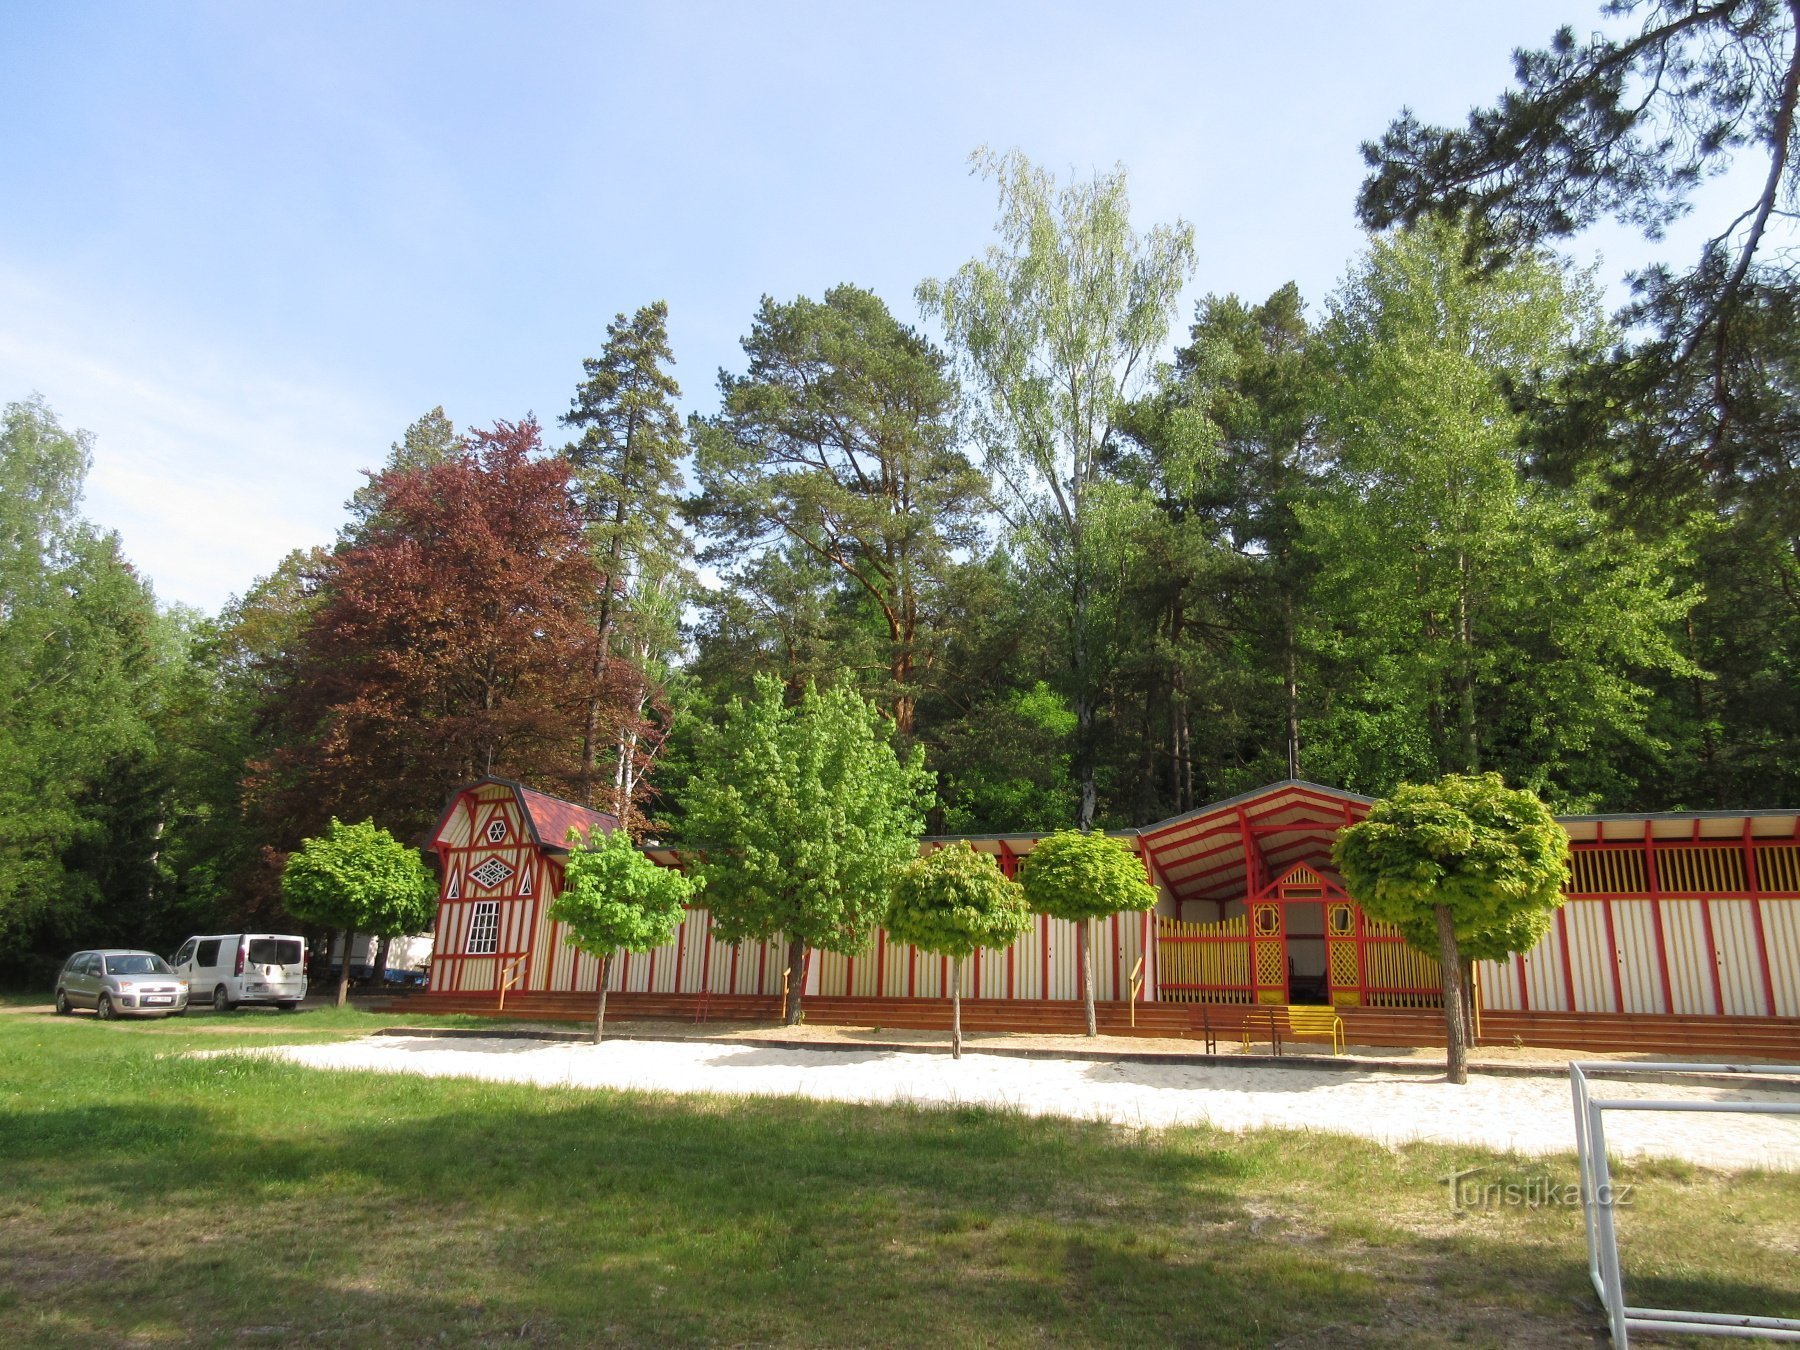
(1597, 1196)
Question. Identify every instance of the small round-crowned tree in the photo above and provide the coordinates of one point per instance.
(1463, 860)
(954, 902)
(358, 879)
(1083, 877)
(612, 897)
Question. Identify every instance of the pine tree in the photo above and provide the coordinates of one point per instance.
(627, 475)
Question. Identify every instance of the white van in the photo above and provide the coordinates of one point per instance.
(231, 969)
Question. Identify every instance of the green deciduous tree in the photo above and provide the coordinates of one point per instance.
(1478, 616)
(84, 661)
(839, 443)
(358, 879)
(1082, 877)
(798, 817)
(955, 902)
(1057, 326)
(614, 897)
(1462, 860)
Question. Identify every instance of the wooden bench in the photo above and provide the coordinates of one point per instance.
(1297, 1020)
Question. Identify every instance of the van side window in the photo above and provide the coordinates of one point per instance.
(187, 950)
(207, 953)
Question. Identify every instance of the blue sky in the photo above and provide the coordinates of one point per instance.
(246, 245)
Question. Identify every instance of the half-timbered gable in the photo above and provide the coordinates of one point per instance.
(500, 847)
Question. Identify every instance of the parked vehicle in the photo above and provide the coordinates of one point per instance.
(120, 983)
(232, 969)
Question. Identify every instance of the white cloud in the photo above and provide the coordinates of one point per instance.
(209, 468)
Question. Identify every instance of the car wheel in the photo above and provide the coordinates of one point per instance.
(63, 1008)
(222, 1000)
(105, 1008)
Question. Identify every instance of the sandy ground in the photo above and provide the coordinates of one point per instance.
(1528, 1115)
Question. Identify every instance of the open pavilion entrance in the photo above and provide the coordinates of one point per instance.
(1255, 913)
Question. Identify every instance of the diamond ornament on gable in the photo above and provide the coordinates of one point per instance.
(491, 873)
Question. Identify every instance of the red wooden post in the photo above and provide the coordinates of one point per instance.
(706, 958)
(1712, 955)
(1756, 919)
(1118, 959)
(1149, 963)
(1044, 952)
(680, 951)
(735, 948)
(912, 972)
(1568, 958)
(880, 963)
(1524, 988)
(1612, 949)
(1656, 923)
(1011, 953)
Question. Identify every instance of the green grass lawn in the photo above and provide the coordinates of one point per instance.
(154, 1197)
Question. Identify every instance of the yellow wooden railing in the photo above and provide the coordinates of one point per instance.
(512, 973)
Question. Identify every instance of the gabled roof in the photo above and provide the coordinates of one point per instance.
(549, 819)
(1217, 851)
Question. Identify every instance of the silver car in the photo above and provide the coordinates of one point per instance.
(120, 984)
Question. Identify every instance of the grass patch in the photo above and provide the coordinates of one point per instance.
(152, 1196)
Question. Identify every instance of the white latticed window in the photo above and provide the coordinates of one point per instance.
(484, 928)
(491, 873)
(496, 830)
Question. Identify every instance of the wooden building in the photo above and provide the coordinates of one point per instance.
(1690, 920)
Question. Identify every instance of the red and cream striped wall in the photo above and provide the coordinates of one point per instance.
(1695, 914)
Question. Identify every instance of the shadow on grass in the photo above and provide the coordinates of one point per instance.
(207, 1199)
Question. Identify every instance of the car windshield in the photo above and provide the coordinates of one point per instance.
(137, 963)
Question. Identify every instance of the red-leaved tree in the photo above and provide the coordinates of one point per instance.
(454, 640)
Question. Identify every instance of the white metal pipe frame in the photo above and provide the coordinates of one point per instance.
(1597, 1196)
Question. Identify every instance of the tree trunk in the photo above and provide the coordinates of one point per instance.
(1468, 989)
(1465, 680)
(796, 982)
(1084, 958)
(1293, 687)
(956, 1011)
(382, 949)
(1080, 661)
(1456, 1047)
(343, 989)
(600, 1011)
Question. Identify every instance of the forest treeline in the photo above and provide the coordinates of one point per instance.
(1102, 561)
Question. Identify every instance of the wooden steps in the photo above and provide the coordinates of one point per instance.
(1706, 1038)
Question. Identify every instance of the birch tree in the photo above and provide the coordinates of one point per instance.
(1057, 326)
